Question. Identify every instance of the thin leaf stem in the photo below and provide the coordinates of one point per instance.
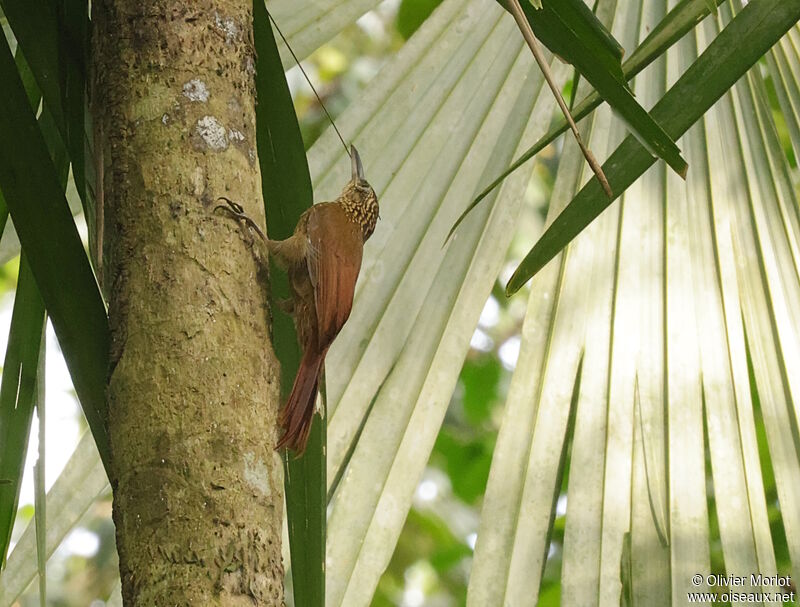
(316, 94)
(533, 44)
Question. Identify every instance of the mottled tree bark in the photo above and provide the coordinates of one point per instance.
(193, 383)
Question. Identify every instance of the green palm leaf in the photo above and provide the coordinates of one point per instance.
(35, 197)
(569, 29)
(18, 396)
(80, 484)
(287, 194)
(681, 19)
(762, 24)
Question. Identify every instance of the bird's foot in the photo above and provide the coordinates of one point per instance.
(237, 211)
(234, 208)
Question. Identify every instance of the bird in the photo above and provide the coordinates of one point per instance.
(323, 259)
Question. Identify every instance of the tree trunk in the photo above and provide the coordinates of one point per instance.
(193, 384)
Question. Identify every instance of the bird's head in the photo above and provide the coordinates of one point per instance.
(358, 197)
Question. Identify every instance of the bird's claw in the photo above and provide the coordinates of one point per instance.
(233, 207)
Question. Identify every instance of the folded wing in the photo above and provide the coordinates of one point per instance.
(335, 247)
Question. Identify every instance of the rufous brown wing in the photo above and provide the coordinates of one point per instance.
(333, 260)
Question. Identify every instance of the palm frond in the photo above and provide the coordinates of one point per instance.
(79, 485)
(704, 277)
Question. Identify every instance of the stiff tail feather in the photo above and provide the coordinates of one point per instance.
(298, 413)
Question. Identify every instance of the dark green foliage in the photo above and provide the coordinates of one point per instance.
(481, 379)
(569, 29)
(467, 461)
(17, 395)
(32, 181)
(286, 186)
(412, 14)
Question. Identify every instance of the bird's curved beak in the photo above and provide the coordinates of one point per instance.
(355, 165)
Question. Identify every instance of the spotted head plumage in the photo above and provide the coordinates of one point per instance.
(359, 199)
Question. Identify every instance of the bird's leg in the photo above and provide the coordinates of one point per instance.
(274, 246)
(235, 209)
(283, 251)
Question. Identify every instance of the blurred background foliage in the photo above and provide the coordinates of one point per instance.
(432, 560)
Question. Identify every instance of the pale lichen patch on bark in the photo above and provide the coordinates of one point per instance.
(196, 90)
(212, 133)
(198, 181)
(227, 25)
(235, 136)
(234, 105)
(256, 473)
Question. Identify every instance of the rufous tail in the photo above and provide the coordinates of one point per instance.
(298, 413)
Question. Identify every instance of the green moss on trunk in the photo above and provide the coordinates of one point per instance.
(193, 385)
